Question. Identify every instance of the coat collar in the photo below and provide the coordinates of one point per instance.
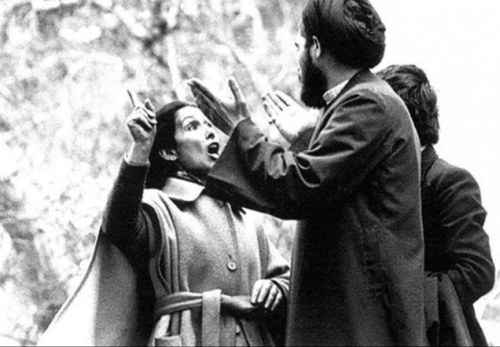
(332, 93)
(182, 190)
(186, 191)
(429, 156)
(361, 76)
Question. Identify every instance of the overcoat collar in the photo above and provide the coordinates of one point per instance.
(361, 77)
(182, 190)
(364, 75)
(429, 156)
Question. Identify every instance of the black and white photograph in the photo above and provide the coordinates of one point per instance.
(249, 173)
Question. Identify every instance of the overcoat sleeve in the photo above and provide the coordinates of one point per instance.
(461, 218)
(112, 303)
(255, 173)
(124, 218)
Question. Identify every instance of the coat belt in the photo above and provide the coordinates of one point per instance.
(209, 302)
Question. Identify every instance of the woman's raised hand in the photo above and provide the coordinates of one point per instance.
(224, 114)
(142, 120)
(287, 115)
(141, 124)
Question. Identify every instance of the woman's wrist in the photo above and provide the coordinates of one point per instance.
(138, 155)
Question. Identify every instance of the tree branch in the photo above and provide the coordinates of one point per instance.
(9, 15)
(259, 84)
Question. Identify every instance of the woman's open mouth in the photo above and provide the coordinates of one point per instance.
(213, 150)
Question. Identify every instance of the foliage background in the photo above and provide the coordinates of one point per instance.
(64, 69)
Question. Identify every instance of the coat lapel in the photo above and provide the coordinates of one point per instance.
(429, 156)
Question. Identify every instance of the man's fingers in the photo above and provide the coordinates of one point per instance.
(197, 86)
(204, 102)
(271, 111)
(236, 90)
(134, 99)
(214, 112)
(207, 107)
(285, 98)
(277, 101)
(239, 99)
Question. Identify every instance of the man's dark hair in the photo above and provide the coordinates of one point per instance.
(412, 85)
(350, 30)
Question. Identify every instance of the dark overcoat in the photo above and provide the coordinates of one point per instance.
(357, 269)
(457, 247)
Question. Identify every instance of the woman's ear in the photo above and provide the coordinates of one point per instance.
(168, 154)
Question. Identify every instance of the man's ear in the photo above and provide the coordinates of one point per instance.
(168, 154)
(315, 48)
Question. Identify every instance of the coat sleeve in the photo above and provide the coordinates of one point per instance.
(255, 173)
(124, 220)
(461, 217)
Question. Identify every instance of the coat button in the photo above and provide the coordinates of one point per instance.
(231, 266)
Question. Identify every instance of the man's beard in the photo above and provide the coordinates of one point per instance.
(314, 85)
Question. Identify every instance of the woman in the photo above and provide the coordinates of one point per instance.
(216, 276)
(199, 271)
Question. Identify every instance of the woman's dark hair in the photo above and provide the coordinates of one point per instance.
(351, 30)
(412, 85)
(160, 168)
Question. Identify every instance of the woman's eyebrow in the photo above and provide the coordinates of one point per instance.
(187, 120)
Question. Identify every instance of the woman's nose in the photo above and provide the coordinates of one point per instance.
(210, 133)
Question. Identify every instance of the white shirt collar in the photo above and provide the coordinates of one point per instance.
(332, 93)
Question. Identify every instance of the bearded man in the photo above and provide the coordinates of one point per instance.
(357, 270)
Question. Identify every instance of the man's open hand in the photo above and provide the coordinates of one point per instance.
(287, 115)
(224, 114)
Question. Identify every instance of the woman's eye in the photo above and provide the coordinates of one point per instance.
(192, 126)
